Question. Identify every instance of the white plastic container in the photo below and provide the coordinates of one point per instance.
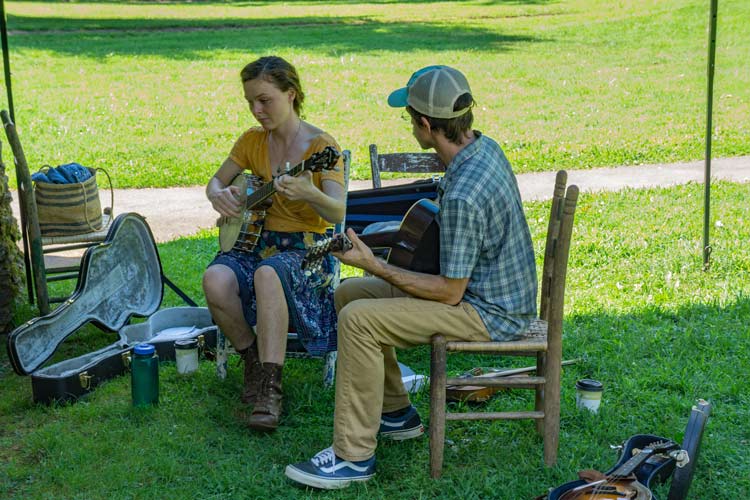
(589, 394)
(186, 356)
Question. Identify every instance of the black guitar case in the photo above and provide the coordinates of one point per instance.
(119, 279)
(657, 469)
(691, 443)
(386, 204)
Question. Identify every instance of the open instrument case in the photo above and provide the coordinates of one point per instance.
(386, 204)
(658, 468)
(119, 279)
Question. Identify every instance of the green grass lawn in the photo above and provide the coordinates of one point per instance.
(150, 91)
(655, 328)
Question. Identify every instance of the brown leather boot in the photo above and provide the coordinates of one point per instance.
(253, 373)
(267, 410)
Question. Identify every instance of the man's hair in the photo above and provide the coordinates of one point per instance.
(277, 71)
(452, 128)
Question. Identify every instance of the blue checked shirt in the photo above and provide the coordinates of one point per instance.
(484, 237)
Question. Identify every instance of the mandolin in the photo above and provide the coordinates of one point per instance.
(242, 233)
(620, 484)
(314, 256)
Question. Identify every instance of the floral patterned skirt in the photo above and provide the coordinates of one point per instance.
(309, 297)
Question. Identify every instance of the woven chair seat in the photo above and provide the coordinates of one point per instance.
(533, 339)
(93, 236)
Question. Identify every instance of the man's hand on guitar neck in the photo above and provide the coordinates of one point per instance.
(424, 286)
(359, 255)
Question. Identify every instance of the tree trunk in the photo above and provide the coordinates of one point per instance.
(11, 262)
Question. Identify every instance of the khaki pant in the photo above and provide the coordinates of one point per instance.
(375, 317)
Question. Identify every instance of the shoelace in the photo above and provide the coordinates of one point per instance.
(265, 384)
(324, 457)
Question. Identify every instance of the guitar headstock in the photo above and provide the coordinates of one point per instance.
(323, 160)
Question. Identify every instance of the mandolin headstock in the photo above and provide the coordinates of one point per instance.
(314, 257)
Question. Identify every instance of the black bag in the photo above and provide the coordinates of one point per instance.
(386, 204)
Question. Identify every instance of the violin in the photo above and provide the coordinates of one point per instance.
(620, 484)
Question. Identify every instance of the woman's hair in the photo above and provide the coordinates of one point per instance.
(453, 128)
(280, 73)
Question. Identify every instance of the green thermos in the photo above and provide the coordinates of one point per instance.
(144, 375)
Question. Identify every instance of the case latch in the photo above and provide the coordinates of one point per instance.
(85, 379)
(125, 359)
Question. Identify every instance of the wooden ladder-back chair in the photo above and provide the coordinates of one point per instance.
(413, 163)
(224, 348)
(543, 340)
(39, 245)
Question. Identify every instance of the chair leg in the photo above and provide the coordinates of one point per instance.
(437, 405)
(40, 275)
(221, 355)
(552, 409)
(329, 369)
(541, 371)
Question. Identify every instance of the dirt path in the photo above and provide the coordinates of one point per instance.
(176, 212)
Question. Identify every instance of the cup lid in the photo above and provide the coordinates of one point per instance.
(144, 349)
(186, 344)
(587, 384)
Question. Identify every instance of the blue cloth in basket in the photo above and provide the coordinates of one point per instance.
(70, 173)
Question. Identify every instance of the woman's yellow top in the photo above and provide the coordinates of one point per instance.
(250, 152)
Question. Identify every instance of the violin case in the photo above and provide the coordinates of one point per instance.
(657, 469)
(119, 279)
(385, 204)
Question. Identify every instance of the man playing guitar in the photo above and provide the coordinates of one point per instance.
(486, 288)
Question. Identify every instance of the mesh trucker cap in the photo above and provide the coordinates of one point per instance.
(433, 91)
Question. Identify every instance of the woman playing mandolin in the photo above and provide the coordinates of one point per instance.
(262, 285)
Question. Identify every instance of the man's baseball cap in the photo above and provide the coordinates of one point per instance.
(433, 91)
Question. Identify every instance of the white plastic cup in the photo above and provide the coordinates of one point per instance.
(589, 394)
(186, 355)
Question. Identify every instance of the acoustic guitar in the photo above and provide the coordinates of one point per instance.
(415, 245)
(242, 233)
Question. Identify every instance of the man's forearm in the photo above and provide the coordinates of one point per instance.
(420, 285)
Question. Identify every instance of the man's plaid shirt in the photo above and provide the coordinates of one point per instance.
(484, 237)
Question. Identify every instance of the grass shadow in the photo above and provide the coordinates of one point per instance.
(247, 3)
(325, 35)
(653, 363)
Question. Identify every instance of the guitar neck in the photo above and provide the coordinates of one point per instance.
(267, 190)
(382, 239)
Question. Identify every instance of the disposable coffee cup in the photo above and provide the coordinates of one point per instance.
(186, 355)
(589, 394)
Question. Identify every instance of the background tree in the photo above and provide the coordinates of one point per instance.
(11, 263)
